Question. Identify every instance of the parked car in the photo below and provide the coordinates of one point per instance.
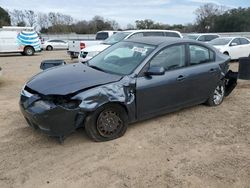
(75, 46)
(235, 47)
(130, 81)
(23, 40)
(203, 37)
(89, 52)
(54, 44)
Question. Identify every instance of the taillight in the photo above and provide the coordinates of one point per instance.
(82, 45)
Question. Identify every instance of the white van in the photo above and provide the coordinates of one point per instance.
(19, 39)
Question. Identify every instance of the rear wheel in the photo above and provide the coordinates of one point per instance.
(218, 95)
(49, 48)
(108, 122)
(29, 51)
(226, 53)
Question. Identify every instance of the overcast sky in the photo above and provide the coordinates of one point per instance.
(123, 11)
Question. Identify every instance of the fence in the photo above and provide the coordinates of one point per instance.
(74, 36)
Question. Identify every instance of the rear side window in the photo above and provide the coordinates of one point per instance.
(172, 34)
(102, 36)
(148, 34)
(201, 38)
(244, 41)
(199, 55)
(210, 37)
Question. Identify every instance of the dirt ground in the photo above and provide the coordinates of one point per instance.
(195, 147)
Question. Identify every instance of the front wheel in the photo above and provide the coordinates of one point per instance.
(108, 122)
(218, 96)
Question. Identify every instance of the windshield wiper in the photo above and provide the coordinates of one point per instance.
(95, 67)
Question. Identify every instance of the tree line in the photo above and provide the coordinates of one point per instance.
(209, 18)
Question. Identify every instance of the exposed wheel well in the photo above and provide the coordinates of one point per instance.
(226, 53)
(116, 103)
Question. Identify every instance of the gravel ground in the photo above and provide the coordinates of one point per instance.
(195, 147)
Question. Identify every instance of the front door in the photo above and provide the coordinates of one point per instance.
(161, 93)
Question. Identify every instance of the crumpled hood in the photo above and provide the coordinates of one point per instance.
(69, 79)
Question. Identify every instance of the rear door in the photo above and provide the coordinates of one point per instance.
(9, 41)
(204, 72)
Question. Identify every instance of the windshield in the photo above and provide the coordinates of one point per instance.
(121, 58)
(194, 37)
(116, 38)
(220, 41)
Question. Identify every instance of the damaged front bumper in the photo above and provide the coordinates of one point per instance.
(52, 119)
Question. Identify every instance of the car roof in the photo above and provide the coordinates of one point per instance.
(203, 34)
(156, 41)
(233, 37)
(150, 30)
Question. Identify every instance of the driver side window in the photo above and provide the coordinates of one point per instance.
(170, 58)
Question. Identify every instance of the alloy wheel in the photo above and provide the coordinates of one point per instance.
(219, 94)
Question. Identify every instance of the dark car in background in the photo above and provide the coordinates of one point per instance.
(130, 81)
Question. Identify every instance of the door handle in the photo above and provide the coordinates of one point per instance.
(212, 70)
(180, 78)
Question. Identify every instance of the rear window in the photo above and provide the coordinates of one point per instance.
(244, 41)
(102, 36)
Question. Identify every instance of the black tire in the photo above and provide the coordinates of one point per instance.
(49, 48)
(217, 96)
(29, 51)
(99, 123)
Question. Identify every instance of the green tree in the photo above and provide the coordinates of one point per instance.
(4, 18)
(206, 15)
(144, 24)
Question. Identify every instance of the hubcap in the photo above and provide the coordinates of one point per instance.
(109, 123)
(29, 51)
(219, 94)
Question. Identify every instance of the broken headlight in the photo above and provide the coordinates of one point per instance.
(68, 104)
(43, 104)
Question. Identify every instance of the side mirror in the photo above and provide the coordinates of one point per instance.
(234, 44)
(154, 71)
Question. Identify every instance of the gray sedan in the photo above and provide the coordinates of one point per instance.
(130, 81)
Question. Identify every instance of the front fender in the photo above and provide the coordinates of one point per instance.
(121, 92)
